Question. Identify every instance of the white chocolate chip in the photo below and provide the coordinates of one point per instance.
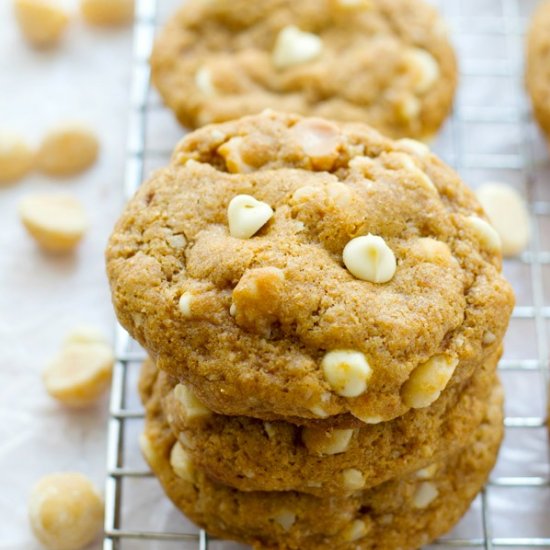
(181, 463)
(347, 372)
(57, 222)
(247, 216)
(423, 68)
(203, 80)
(294, 47)
(413, 146)
(508, 214)
(42, 22)
(185, 304)
(317, 137)
(354, 480)
(485, 233)
(428, 380)
(286, 519)
(489, 338)
(80, 373)
(192, 406)
(16, 158)
(326, 442)
(424, 495)
(356, 530)
(369, 258)
(233, 310)
(107, 12)
(368, 419)
(67, 150)
(318, 411)
(65, 511)
(428, 472)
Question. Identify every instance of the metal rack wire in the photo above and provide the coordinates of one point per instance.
(499, 21)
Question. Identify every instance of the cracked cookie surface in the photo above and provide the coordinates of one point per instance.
(216, 61)
(255, 325)
(404, 513)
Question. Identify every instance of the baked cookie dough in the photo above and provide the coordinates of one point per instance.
(295, 320)
(405, 513)
(388, 63)
(538, 65)
(252, 455)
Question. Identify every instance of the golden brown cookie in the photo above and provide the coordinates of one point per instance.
(405, 513)
(538, 64)
(293, 267)
(252, 455)
(388, 63)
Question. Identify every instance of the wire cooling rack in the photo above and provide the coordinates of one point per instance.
(514, 509)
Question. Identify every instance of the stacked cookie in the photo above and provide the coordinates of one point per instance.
(388, 63)
(325, 309)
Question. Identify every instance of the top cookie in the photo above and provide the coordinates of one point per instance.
(287, 266)
(388, 63)
(538, 65)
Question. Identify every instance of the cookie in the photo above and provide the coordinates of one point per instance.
(294, 267)
(537, 75)
(388, 63)
(252, 455)
(406, 513)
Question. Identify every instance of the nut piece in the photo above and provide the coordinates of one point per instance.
(67, 151)
(65, 511)
(424, 495)
(185, 304)
(347, 372)
(286, 519)
(181, 463)
(423, 69)
(427, 381)
(232, 154)
(433, 251)
(428, 472)
(294, 47)
(193, 408)
(80, 373)
(42, 22)
(508, 214)
(485, 233)
(16, 158)
(369, 258)
(107, 12)
(326, 442)
(356, 530)
(318, 139)
(57, 222)
(354, 480)
(246, 216)
(203, 80)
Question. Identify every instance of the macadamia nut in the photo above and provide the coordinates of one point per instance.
(246, 216)
(181, 463)
(294, 47)
(65, 511)
(369, 258)
(185, 302)
(347, 372)
(508, 214)
(485, 233)
(193, 408)
(285, 518)
(428, 380)
(424, 495)
(356, 530)
(321, 441)
(107, 12)
(57, 222)
(353, 480)
(16, 158)
(67, 150)
(81, 372)
(42, 22)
